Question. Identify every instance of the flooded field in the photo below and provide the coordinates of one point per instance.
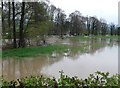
(95, 58)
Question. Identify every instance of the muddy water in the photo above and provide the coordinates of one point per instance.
(103, 58)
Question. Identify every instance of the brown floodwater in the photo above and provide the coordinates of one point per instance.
(103, 58)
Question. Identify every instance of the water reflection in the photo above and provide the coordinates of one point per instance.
(16, 68)
(83, 65)
(103, 58)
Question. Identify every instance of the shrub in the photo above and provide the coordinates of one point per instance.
(99, 79)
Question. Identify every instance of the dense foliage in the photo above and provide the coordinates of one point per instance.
(99, 79)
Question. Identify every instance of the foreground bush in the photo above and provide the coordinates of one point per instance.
(97, 80)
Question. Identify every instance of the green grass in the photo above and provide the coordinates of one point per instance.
(0, 54)
(42, 50)
(89, 37)
(111, 37)
(36, 51)
(33, 51)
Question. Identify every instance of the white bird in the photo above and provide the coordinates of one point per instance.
(54, 55)
(67, 52)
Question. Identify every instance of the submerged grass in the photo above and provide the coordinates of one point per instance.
(90, 37)
(48, 49)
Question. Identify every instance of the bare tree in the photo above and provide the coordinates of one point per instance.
(3, 27)
(9, 18)
(14, 28)
(112, 28)
(76, 23)
(21, 34)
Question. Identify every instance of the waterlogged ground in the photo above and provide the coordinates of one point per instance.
(99, 55)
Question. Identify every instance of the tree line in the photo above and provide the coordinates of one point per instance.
(25, 20)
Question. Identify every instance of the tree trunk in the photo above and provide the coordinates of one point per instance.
(9, 15)
(21, 33)
(14, 28)
(3, 27)
(88, 27)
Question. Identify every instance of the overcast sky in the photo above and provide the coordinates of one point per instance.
(107, 9)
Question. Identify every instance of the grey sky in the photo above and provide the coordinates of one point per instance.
(119, 14)
(107, 9)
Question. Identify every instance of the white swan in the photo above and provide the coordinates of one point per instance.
(67, 52)
(54, 55)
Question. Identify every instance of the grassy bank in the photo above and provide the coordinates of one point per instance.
(90, 37)
(97, 80)
(36, 51)
(32, 51)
